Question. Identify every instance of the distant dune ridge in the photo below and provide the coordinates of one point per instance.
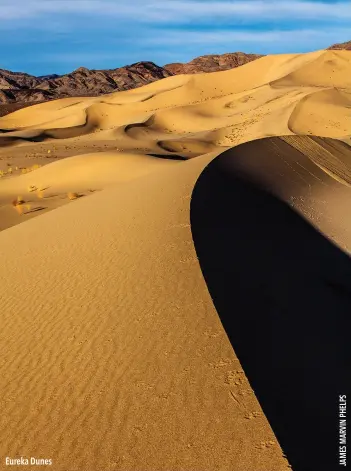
(18, 87)
(118, 350)
(21, 87)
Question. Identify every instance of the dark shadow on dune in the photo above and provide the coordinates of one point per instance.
(168, 156)
(7, 141)
(187, 146)
(133, 126)
(145, 125)
(148, 98)
(89, 126)
(283, 293)
(70, 105)
(168, 146)
(34, 210)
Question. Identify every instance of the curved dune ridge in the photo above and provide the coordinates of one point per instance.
(314, 88)
(273, 235)
(106, 365)
(119, 349)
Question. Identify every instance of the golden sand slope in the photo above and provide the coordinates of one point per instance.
(48, 187)
(181, 116)
(113, 355)
(303, 93)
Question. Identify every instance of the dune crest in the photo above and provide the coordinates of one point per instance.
(207, 102)
(114, 356)
(273, 236)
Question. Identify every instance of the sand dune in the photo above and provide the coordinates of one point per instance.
(202, 103)
(118, 352)
(328, 68)
(273, 235)
(96, 171)
(324, 112)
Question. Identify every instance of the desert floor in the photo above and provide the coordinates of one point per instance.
(118, 347)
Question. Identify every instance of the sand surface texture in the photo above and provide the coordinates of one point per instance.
(115, 354)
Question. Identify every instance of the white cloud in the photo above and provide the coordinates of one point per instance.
(246, 10)
(304, 37)
(177, 11)
(187, 45)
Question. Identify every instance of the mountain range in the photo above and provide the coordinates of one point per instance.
(19, 89)
(341, 46)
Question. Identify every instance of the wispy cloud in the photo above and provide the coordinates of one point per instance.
(305, 36)
(178, 11)
(61, 35)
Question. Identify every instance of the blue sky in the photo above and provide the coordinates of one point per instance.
(58, 36)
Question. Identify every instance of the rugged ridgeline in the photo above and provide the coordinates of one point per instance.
(342, 46)
(212, 63)
(20, 89)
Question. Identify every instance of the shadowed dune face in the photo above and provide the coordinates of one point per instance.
(190, 148)
(281, 287)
